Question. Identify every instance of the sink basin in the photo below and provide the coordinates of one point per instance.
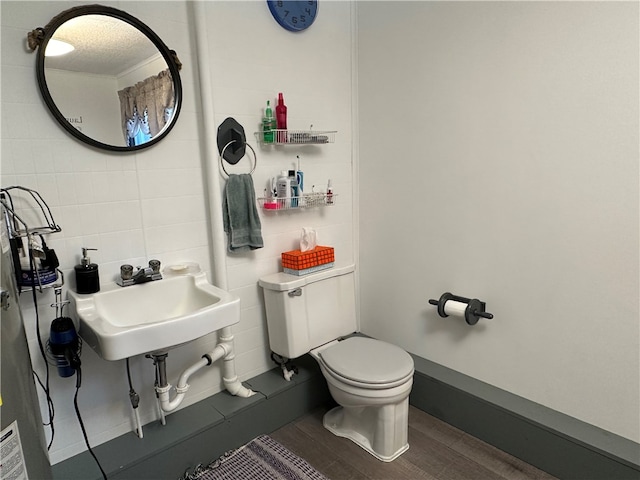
(120, 322)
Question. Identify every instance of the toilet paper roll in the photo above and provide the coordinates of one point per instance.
(455, 309)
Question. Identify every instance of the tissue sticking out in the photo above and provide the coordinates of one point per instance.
(308, 239)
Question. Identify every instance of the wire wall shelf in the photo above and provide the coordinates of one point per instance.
(295, 137)
(48, 275)
(308, 200)
(16, 226)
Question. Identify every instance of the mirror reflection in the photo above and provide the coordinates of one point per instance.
(114, 86)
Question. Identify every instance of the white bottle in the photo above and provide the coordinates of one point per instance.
(283, 187)
(294, 188)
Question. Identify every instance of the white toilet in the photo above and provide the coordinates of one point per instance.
(369, 379)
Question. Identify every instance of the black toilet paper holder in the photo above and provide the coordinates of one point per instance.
(474, 311)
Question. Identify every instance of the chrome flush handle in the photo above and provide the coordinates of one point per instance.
(295, 293)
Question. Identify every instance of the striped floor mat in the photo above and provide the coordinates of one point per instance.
(261, 459)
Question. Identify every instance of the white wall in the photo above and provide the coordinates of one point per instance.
(92, 99)
(148, 68)
(499, 160)
(153, 204)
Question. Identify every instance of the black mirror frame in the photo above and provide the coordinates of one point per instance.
(169, 56)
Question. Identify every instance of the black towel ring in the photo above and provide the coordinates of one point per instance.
(255, 159)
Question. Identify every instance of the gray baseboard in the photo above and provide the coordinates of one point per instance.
(200, 433)
(556, 443)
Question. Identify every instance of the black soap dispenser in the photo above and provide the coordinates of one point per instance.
(87, 279)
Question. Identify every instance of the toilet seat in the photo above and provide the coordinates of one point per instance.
(368, 363)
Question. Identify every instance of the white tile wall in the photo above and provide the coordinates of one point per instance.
(153, 204)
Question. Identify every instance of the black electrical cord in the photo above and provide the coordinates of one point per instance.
(133, 395)
(34, 276)
(129, 374)
(84, 432)
(51, 411)
(45, 386)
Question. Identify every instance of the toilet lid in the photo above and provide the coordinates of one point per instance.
(368, 361)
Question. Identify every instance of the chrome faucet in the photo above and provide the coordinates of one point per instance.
(142, 275)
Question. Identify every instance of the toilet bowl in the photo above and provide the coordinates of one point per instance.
(369, 379)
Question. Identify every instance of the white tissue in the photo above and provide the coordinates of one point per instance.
(307, 239)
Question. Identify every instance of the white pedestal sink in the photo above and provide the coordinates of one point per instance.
(121, 322)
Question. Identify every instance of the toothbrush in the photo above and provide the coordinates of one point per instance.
(300, 177)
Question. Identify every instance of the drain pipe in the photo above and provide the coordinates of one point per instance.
(182, 387)
(224, 351)
(229, 377)
(225, 336)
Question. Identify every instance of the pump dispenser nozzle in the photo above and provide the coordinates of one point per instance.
(85, 258)
(87, 277)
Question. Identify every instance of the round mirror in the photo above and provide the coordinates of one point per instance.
(118, 85)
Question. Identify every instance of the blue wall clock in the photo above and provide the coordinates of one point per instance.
(294, 15)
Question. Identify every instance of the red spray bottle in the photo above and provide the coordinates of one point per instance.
(281, 115)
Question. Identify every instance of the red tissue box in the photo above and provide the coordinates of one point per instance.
(297, 260)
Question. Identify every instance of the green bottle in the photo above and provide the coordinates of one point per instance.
(268, 124)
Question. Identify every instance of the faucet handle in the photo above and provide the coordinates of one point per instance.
(126, 271)
(155, 265)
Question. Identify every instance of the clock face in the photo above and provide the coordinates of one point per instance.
(294, 15)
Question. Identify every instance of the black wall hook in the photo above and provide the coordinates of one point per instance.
(231, 131)
(474, 311)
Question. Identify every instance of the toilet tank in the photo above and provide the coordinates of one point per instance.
(308, 311)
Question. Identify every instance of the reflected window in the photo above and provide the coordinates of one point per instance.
(154, 97)
(138, 128)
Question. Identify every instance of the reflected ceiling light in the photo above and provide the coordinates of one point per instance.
(57, 47)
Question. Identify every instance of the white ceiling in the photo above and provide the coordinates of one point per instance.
(104, 45)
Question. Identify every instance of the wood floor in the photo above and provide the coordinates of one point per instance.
(436, 451)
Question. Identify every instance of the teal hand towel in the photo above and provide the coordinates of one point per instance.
(240, 215)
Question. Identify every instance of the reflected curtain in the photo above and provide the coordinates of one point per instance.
(147, 100)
